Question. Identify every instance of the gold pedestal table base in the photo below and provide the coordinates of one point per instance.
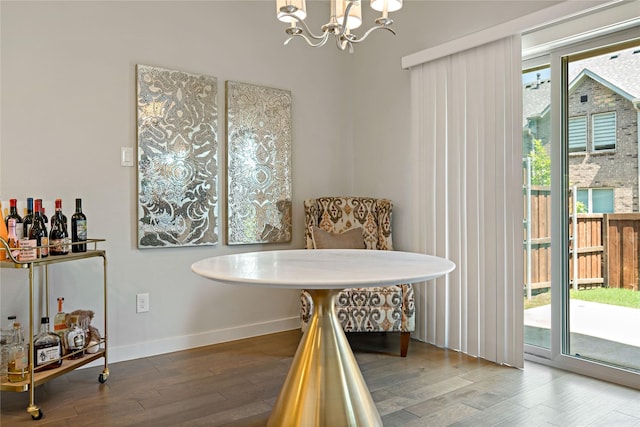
(324, 386)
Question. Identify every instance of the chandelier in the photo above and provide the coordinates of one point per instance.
(346, 15)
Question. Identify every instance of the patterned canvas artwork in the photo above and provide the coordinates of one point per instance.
(258, 164)
(177, 158)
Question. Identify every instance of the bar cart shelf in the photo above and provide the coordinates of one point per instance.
(68, 364)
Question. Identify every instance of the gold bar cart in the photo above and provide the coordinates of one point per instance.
(68, 364)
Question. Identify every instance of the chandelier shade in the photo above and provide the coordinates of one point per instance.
(388, 5)
(297, 8)
(344, 17)
(355, 14)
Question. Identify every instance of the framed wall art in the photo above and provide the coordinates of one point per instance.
(177, 120)
(258, 164)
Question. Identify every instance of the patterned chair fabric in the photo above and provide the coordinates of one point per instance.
(380, 309)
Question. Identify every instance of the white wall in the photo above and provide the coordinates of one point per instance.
(68, 105)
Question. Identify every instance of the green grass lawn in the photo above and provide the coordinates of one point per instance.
(621, 297)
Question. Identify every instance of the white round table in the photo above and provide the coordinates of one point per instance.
(324, 386)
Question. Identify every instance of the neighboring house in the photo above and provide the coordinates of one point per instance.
(536, 97)
(604, 107)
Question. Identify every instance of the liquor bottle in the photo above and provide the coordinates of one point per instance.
(47, 348)
(13, 213)
(28, 218)
(59, 236)
(38, 231)
(18, 357)
(75, 338)
(79, 228)
(6, 341)
(45, 218)
(60, 320)
(12, 238)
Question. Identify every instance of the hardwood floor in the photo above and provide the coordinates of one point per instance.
(235, 384)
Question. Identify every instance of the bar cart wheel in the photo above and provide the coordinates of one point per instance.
(36, 413)
(103, 377)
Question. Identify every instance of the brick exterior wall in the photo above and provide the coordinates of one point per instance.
(617, 169)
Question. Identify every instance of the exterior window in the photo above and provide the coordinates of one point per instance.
(578, 134)
(604, 131)
(596, 200)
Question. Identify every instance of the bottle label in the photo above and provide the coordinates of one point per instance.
(44, 251)
(26, 253)
(15, 254)
(47, 354)
(19, 229)
(81, 225)
(20, 361)
(62, 326)
(75, 339)
(58, 247)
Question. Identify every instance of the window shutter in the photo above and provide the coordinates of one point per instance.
(604, 131)
(578, 134)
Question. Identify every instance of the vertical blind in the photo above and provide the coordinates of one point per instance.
(467, 149)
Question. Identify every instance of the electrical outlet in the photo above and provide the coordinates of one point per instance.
(142, 303)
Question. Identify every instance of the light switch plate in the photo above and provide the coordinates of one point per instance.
(126, 156)
(142, 303)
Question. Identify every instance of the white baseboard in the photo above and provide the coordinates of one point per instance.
(185, 342)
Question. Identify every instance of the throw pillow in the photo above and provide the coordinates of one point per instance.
(350, 239)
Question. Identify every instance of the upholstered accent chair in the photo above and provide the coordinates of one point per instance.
(353, 223)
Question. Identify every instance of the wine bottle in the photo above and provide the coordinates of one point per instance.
(59, 236)
(28, 218)
(78, 229)
(12, 238)
(13, 213)
(38, 231)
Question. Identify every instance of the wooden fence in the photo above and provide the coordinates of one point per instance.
(606, 251)
(587, 269)
(540, 224)
(621, 234)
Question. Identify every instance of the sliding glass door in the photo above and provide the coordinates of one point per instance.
(602, 107)
(581, 187)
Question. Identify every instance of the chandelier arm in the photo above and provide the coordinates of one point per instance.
(321, 43)
(306, 28)
(371, 30)
(344, 28)
(342, 43)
